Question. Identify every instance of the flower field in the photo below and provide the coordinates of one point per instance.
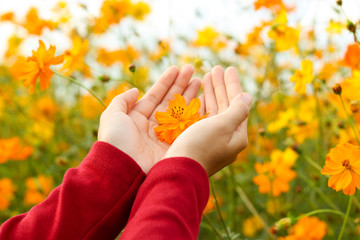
(299, 177)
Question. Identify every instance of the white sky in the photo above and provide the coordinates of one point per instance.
(235, 17)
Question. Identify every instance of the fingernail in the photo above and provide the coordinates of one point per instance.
(246, 98)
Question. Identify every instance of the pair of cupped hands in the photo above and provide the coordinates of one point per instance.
(214, 142)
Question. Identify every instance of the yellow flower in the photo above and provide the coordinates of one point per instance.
(177, 118)
(335, 27)
(74, 58)
(209, 37)
(44, 109)
(13, 46)
(37, 189)
(112, 12)
(343, 164)
(275, 175)
(90, 107)
(309, 228)
(38, 66)
(285, 37)
(303, 76)
(7, 190)
(251, 226)
(283, 119)
(139, 10)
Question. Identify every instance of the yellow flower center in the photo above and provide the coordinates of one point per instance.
(177, 112)
(346, 164)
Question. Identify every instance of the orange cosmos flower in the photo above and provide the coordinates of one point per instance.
(34, 24)
(343, 163)
(38, 66)
(310, 228)
(352, 56)
(7, 190)
(177, 118)
(274, 176)
(268, 4)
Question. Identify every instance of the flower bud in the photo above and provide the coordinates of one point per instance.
(132, 68)
(351, 27)
(355, 106)
(104, 78)
(280, 225)
(339, 2)
(337, 89)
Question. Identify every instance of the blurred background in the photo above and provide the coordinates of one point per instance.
(289, 54)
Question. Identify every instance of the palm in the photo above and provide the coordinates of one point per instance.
(133, 130)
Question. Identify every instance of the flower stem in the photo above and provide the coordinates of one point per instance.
(213, 227)
(83, 86)
(321, 194)
(345, 219)
(252, 209)
(350, 120)
(320, 211)
(218, 210)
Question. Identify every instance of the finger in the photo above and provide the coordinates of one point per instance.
(239, 139)
(238, 111)
(125, 101)
(147, 104)
(192, 90)
(210, 99)
(180, 84)
(178, 87)
(202, 108)
(232, 83)
(217, 76)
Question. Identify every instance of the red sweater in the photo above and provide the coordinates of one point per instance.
(95, 199)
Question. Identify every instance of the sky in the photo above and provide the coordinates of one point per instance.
(174, 17)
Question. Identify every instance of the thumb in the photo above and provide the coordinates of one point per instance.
(238, 110)
(125, 101)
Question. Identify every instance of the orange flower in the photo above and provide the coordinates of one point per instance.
(9, 16)
(310, 228)
(37, 189)
(34, 24)
(343, 163)
(268, 4)
(38, 66)
(126, 56)
(11, 149)
(352, 56)
(275, 175)
(74, 58)
(6, 193)
(177, 118)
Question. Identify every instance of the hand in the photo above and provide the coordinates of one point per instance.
(129, 125)
(214, 142)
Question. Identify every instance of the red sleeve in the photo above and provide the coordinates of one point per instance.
(93, 202)
(170, 202)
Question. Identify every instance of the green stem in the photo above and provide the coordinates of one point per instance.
(83, 86)
(218, 210)
(312, 163)
(213, 227)
(350, 120)
(345, 219)
(320, 211)
(252, 209)
(321, 194)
